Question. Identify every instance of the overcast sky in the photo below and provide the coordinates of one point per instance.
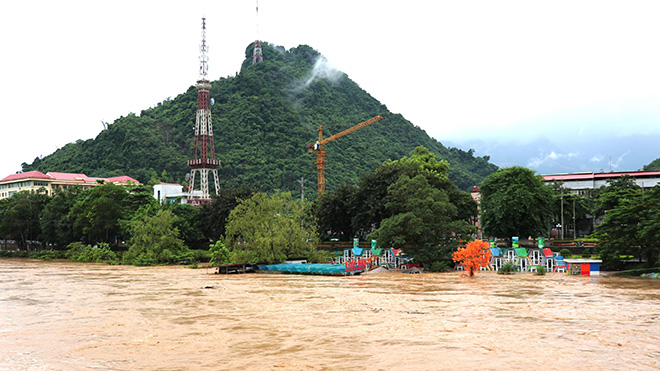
(458, 69)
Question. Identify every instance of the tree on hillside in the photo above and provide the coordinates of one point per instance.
(270, 229)
(515, 202)
(653, 165)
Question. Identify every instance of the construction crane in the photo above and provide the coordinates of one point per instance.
(320, 152)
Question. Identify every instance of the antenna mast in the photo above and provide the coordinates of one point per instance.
(257, 55)
(204, 161)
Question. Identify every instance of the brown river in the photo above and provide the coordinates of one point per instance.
(70, 316)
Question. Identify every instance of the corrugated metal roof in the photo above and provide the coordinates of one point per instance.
(592, 176)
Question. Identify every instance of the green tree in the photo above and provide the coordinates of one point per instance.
(213, 215)
(371, 197)
(219, 254)
(515, 202)
(423, 218)
(155, 240)
(631, 223)
(56, 225)
(270, 229)
(335, 210)
(97, 212)
(20, 219)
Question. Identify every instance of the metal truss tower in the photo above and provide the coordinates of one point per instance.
(257, 55)
(204, 162)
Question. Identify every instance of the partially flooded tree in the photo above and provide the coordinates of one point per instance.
(270, 229)
(473, 256)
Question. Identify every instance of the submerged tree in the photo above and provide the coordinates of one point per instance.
(473, 256)
(270, 229)
(155, 240)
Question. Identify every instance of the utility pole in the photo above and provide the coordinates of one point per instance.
(574, 229)
(302, 190)
(562, 210)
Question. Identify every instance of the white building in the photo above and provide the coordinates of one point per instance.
(580, 182)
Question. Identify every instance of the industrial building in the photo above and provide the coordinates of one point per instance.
(581, 183)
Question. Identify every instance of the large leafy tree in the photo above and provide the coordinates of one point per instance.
(335, 210)
(515, 202)
(213, 215)
(270, 229)
(631, 223)
(56, 225)
(20, 217)
(422, 218)
(97, 212)
(372, 196)
(155, 240)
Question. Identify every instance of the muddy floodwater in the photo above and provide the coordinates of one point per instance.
(69, 316)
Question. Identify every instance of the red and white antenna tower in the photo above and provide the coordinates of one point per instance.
(204, 161)
(257, 56)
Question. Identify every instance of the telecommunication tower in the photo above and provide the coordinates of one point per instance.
(257, 55)
(204, 162)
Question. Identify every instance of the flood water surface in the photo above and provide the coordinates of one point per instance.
(69, 316)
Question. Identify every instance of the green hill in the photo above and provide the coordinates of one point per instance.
(653, 165)
(262, 120)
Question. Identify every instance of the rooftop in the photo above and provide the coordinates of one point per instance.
(592, 176)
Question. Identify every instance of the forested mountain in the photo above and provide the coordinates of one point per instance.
(653, 165)
(262, 120)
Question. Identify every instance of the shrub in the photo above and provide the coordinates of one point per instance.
(508, 268)
(540, 271)
(440, 266)
(102, 253)
(565, 252)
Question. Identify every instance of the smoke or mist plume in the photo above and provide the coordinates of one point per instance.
(322, 70)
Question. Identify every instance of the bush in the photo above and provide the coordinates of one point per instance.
(220, 254)
(102, 253)
(565, 252)
(508, 268)
(47, 255)
(540, 271)
(439, 266)
(586, 253)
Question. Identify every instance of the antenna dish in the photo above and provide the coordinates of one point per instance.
(212, 101)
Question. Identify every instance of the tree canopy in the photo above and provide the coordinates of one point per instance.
(515, 202)
(631, 223)
(270, 229)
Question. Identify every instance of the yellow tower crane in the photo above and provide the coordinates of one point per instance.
(320, 152)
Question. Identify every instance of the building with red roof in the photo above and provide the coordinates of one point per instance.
(36, 181)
